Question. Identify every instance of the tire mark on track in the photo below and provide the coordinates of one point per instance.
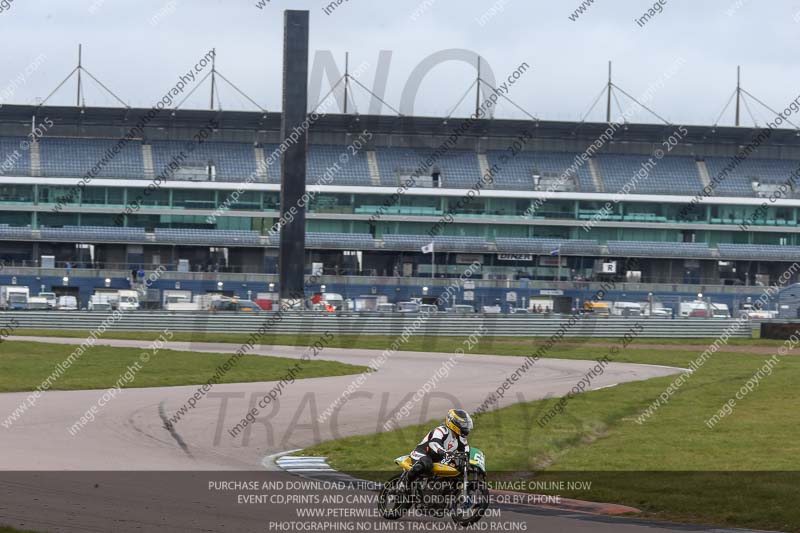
(163, 414)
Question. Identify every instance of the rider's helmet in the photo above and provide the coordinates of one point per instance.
(459, 422)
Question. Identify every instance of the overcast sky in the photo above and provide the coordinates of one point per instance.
(138, 49)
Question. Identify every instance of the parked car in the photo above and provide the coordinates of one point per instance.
(38, 303)
(655, 310)
(52, 300)
(461, 309)
(408, 307)
(234, 305)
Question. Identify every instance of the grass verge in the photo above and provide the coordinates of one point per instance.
(24, 365)
(742, 473)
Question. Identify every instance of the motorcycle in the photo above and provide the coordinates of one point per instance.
(457, 486)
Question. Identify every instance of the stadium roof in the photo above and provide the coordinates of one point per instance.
(387, 124)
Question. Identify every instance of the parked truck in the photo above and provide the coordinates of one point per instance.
(14, 297)
(596, 308)
(127, 300)
(748, 310)
(101, 301)
(626, 309)
(181, 301)
(703, 309)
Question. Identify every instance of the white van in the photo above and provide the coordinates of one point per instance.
(51, 298)
(67, 303)
(626, 309)
(720, 311)
(657, 310)
(128, 300)
(408, 307)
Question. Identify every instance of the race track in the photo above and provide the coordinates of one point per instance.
(129, 435)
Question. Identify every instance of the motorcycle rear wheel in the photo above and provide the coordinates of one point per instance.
(400, 501)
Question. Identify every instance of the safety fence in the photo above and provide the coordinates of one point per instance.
(440, 324)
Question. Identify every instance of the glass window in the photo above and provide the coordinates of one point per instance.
(116, 195)
(148, 197)
(53, 194)
(16, 193)
(93, 196)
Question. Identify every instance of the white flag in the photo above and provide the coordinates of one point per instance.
(427, 249)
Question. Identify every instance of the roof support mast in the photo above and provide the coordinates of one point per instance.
(213, 76)
(346, 78)
(738, 91)
(81, 94)
(478, 89)
(608, 96)
(78, 99)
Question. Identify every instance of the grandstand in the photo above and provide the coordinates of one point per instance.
(547, 213)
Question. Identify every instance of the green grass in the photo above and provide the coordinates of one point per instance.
(4, 529)
(671, 467)
(24, 365)
(743, 473)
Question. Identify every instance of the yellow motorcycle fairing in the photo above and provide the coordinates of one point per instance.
(439, 470)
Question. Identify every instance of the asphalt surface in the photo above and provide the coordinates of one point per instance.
(149, 478)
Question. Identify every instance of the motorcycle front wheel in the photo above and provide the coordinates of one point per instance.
(392, 501)
(467, 511)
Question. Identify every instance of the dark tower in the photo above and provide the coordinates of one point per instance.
(291, 261)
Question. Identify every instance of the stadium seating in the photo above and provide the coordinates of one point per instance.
(670, 175)
(699, 250)
(205, 236)
(15, 232)
(94, 233)
(22, 164)
(545, 246)
(759, 252)
(459, 169)
(517, 172)
(324, 159)
(273, 169)
(63, 157)
(340, 241)
(442, 243)
(232, 161)
(739, 182)
(236, 161)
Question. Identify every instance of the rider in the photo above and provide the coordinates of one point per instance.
(445, 439)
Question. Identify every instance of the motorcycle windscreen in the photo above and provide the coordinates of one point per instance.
(405, 462)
